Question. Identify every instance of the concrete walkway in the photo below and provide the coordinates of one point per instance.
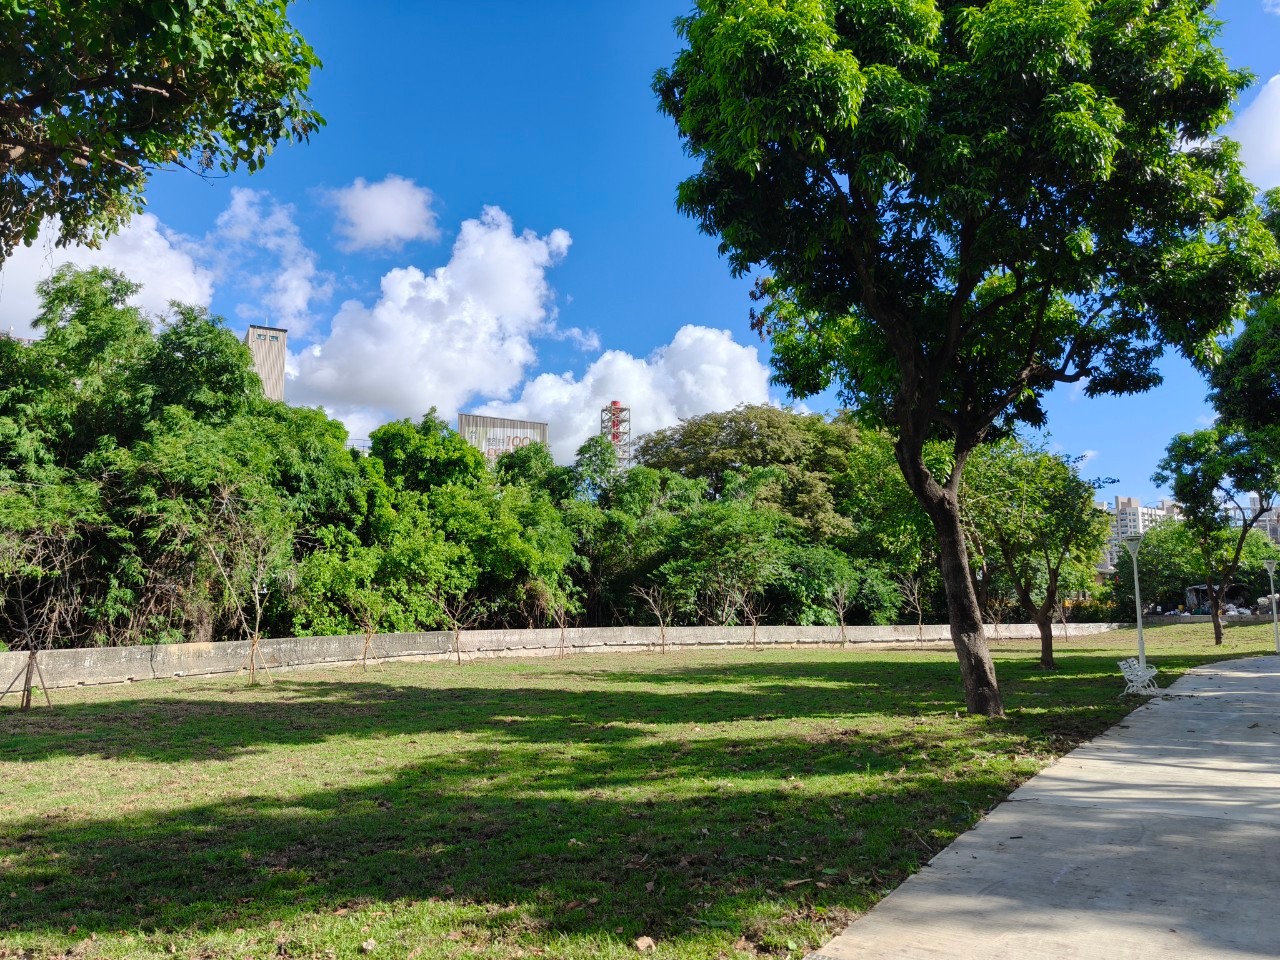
(1159, 839)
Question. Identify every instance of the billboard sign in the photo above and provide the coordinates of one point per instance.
(494, 436)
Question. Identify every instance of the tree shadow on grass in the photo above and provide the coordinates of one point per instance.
(719, 826)
(573, 811)
(232, 720)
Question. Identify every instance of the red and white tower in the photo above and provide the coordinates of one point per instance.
(615, 426)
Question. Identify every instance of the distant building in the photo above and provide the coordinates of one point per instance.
(269, 346)
(1268, 523)
(494, 436)
(1129, 518)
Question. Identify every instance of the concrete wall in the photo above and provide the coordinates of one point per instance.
(95, 665)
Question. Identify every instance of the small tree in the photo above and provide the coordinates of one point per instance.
(1035, 513)
(911, 588)
(1225, 479)
(361, 594)
(462, 608)
(660, 605)
(997, 611)
(754, 611)
(559, 612)
(251, 544)
(840, 599)
(43, 551)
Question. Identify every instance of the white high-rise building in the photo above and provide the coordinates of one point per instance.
(269, 346)
(1129, 518)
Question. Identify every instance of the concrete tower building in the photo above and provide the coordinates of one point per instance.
(268, 346)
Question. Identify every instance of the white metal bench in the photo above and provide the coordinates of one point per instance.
(1138, 680)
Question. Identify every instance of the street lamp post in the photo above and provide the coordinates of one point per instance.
(1271, 578)
(1132, 544)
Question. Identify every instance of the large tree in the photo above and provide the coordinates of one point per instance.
(97, 94)
(961, 205)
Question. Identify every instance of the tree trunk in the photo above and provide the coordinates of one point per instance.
(942, 504)
(1215, 611)
(25, 703)
(1044, 620)
(981, 692)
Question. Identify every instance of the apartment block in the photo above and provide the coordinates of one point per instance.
(1129, 518)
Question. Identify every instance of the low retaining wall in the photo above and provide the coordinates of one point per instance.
(94, 665)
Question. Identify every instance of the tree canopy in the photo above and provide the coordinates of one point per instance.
(149, 492)
(97, 94)
(960, 206)
(1035, 515)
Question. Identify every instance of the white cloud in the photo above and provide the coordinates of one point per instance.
(1088, 456)
(700, 371)
(285, 291)
(383, 215)
(1257, 128)
(1271, 6)
(439, 339)
(588, 341)
(144, 251)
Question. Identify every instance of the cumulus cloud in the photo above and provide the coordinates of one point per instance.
(439, 339)
(285, 283)
(1257, 128)
(384, 215)
(144, 251)
(700, 371)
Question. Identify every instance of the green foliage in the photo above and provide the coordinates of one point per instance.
(959, 206)
(428, 454)
(1032, 514)
(1169, 562)
(1213, 474)
(1002, 193)
(596, 467)
(533, 466)
(97, 94)
(185, 505)
(1245, 384)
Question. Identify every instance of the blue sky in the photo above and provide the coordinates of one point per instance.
(581, 282)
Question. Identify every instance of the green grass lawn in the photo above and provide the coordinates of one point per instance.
(724, 804)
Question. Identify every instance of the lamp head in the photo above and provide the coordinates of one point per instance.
(1132, 544)
(1270, 565)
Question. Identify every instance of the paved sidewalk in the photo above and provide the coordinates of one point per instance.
(1159, 839)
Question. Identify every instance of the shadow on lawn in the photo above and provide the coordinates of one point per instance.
(234, 719)
(714, 825)
(472, 826)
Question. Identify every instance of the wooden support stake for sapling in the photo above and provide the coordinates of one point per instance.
(25, 673)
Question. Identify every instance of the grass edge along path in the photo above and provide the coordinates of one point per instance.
(719, 804)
